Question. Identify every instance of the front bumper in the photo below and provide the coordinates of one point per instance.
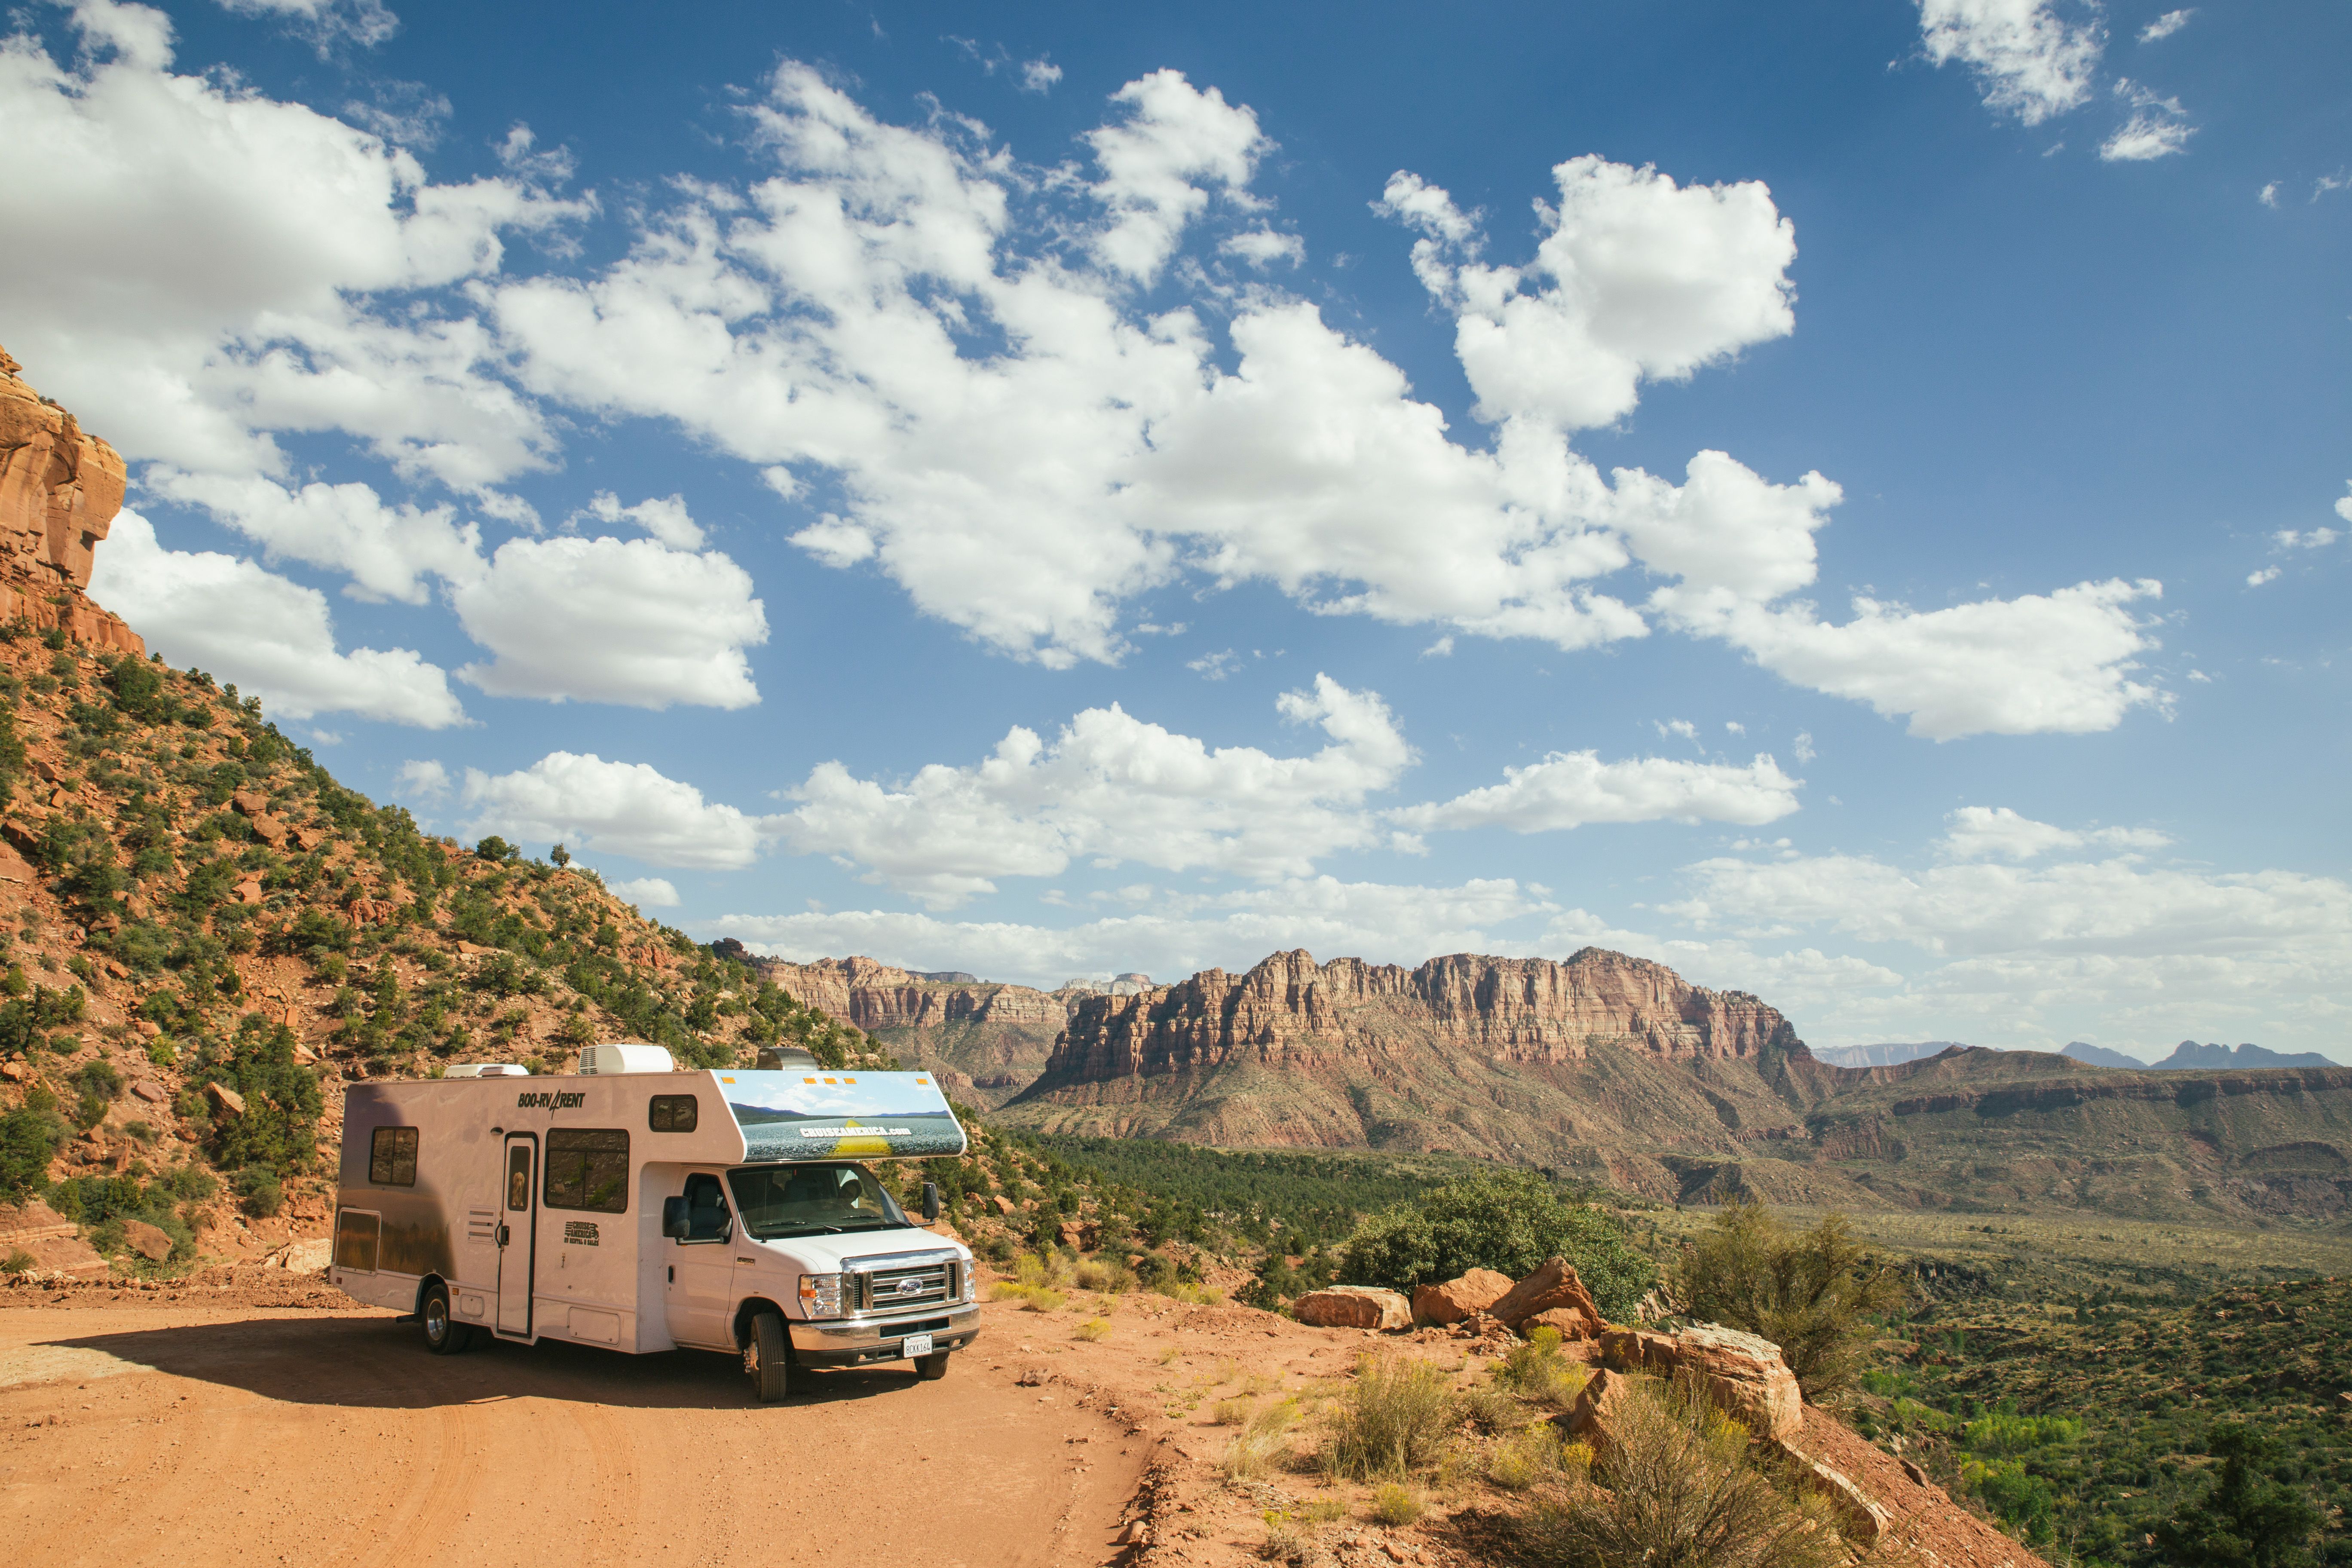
(858, 1344)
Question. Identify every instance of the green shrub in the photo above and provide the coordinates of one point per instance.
(2002, 1432)
(1510, 1221)
(30, 1136)
(259, 1192)
(18, 1261)
(1394, 1504)
(1391, 1421)
(1536, 1369)
(279, 1127)
(1812, 1293)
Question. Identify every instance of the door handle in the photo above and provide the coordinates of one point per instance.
(502, 1236)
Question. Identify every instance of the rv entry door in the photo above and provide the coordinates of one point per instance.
(518, 1230)
(701, 1267)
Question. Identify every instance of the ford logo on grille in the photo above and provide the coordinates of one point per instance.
(911, 1286)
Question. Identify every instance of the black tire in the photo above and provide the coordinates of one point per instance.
(443, 1334)
(932, 1367)
(768, 1358)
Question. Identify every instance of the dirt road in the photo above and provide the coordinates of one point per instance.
(136, 1433)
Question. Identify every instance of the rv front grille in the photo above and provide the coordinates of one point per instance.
(895, 1290)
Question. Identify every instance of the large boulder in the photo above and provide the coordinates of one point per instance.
(1861, 1520)
(1353, 1307)
(1553, 1285)
(1589, 1419)
(1744, 1373)
(1455, 1299)
(1572, 1323)
(148, 1241)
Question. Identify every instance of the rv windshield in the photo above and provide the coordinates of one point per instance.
(812, 1200)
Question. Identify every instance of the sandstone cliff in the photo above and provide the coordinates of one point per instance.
(985, 1041)
(60, 489)
(1507, 1009)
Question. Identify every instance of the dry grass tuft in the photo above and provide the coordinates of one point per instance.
(1093, 1329)
(1394, 1504)
(1391, 1421)
(1263, 1439)
(1677, 1488)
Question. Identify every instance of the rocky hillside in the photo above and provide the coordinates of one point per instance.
(1617, 1071)
(206, 936)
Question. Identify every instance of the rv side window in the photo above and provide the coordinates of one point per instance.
(587, 1168)
(672, 1113)
(392, 1157)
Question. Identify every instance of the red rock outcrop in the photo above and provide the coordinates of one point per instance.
(1353, 1307)
(875, 995)
(1506, 1009)
(1448, 1303)
(60, 489)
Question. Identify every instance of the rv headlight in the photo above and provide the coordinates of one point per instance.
(971, 1285)
(820, 1295)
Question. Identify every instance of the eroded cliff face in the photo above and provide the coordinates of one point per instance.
(985, 1041)
(875, 995)
(59, 490)
(1529, 1010)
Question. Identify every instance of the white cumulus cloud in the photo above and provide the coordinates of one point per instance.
(596, 806)
(1570, 789)
(646, 893)
(1979, 832)
(1113, 789)
(218, 267)
(271, 637)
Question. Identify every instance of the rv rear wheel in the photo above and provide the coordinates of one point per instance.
(442, 1336)
(932, 1367)
(768, 1358)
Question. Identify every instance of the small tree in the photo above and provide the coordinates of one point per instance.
(495, 849)
(2250, 1519)
(1510, 1221)
(560, 855)
(1812, 1293)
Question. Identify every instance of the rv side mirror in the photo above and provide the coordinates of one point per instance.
(930, 1202)
(675, 1225)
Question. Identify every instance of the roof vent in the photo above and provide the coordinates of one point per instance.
(776, 1059)
(487, 1069)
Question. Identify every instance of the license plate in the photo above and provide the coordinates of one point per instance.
(914, 1345)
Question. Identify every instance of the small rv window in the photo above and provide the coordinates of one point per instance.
(672, 1113)
(392, 1157)
(519, 1176)
(587, 1168)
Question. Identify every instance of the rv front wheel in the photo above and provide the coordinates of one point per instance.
(442, 1336)
(932, 1367)
(768, 1358)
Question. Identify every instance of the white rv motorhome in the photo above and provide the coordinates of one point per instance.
(642, 1209)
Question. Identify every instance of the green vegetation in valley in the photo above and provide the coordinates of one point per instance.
(2085, 1424)
(1509, 1221)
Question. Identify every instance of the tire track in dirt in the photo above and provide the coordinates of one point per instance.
(314, 1436)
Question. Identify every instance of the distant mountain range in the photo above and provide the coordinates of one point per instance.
(2188, 1056)
(2185, 1056)
(1885, 1055)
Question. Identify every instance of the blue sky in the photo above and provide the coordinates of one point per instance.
(1848, 502)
